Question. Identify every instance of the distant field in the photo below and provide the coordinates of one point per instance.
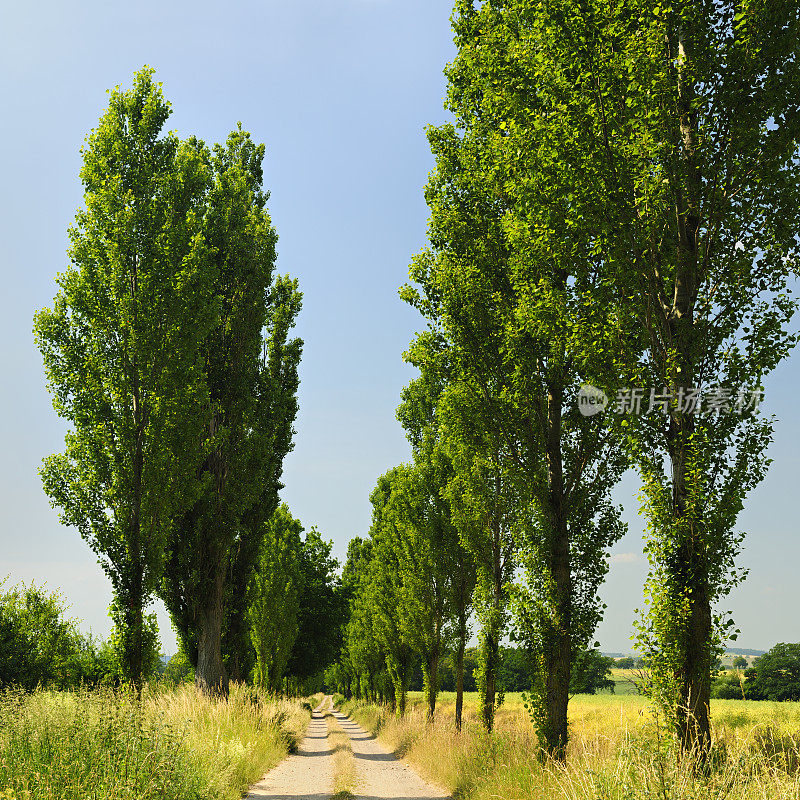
(616, 751)
(595, 713)
(624, 680)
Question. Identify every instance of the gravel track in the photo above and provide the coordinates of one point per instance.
(308, 774)
(379, 774)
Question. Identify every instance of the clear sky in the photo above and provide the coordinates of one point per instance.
(340, 91)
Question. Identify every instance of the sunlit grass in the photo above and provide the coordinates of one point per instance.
(617, 751)
(178, 744)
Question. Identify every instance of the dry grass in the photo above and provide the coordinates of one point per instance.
(236, 740)
(178, 744)
(617, 752)
(344, 765)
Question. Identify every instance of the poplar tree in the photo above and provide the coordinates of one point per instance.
(251, 371)
(514, 291)
(416, 525)
(676, 129)
(274, 598)
(419, 414)
(379, 590)
(122, 349)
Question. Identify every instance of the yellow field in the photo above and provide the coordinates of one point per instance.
(605, 712)
(617, 751)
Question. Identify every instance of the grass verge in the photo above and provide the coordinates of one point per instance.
(344, 766)
(617, 752)
(177, 744)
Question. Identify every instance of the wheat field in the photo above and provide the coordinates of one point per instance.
(618, 750)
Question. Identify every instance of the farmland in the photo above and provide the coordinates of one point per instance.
(617, 751)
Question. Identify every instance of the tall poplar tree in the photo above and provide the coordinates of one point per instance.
(676, 127)
(251, 370)
(274, 598)
(122, 349)
(415, 524)
(515, 292)
(419, 414)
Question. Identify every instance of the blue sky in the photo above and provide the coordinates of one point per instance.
(340, 91)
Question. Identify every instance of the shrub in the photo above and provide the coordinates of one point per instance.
(776, 674)
(38, 645)
(591, 672)
(179, 669)
(727, 687)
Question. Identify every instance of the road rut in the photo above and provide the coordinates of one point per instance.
(306, 774)
(309, 773)
(379, 774)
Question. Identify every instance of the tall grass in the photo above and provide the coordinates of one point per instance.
(344, 766)
(179, 744)
(618, 751)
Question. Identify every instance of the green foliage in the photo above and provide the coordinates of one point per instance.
(448, 676)
(415, 539)
(591, 672)
(250, 371)
(456, 572)
(97, 663)
(38, 645)
(321, 608)
(179, 669)
(150, 643)
(672, 137)
(274, 605)
(121, 349)
(41, 646)
(627, 174)
(729, 686)
(520, 314)
(775, 675)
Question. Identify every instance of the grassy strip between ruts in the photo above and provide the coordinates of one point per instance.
(344, 767)
(617, 752)
(178, 744)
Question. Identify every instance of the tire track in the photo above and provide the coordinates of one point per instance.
(308, 773)
(379, 774)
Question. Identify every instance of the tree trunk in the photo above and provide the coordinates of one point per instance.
(462, 643)
(488, 689)
(557, 638)
(432, 683)
(694, 724)
(399, 675)
(401, 701)
(211, 676)
(690, 574)
(134, 636)
(490, 646)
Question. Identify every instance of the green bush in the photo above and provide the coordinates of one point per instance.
(41, 647)
(727, 687)
(179, 669)
(776, 674)
(38, 645)
(591, 672)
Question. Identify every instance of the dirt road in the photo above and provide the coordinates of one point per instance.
(379, 774)
(309, 773)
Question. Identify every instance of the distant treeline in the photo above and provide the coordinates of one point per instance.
(592, 674)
